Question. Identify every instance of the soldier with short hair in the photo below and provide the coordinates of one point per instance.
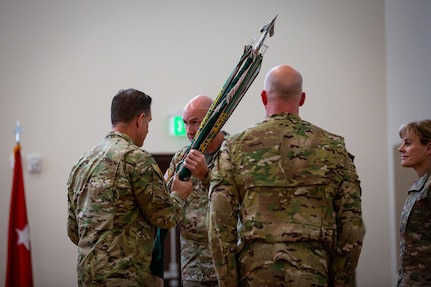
(285, 199)
(415, 227)
(117, 196)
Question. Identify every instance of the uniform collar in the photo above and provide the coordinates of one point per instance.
(419, 184)
(281, 116)
(116, 134)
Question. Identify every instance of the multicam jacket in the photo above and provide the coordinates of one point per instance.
(282, 181)
(415, 235)
(196, 260)
(116, 197)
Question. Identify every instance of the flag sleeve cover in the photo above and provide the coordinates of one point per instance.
(19, 270)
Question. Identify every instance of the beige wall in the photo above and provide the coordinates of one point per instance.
(408, 82)
(62, 61)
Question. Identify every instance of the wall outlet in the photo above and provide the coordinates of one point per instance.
(34, 163)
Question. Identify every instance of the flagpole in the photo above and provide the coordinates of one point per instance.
(19, 268)
(235, 87)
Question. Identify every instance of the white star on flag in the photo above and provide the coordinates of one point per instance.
(24, 237)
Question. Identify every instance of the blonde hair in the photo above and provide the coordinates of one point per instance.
(420, 128)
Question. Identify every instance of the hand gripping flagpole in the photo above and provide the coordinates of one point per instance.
(230, 95)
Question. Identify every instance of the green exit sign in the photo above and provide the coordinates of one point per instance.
(176, 126)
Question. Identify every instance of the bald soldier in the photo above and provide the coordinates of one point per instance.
(196, 261)
(285, 199)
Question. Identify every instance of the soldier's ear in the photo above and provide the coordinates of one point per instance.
(301, 102)
(264, 97)
(140, 119)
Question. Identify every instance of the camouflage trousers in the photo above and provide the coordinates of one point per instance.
(188, 283)
(152, 281)
(278, 265)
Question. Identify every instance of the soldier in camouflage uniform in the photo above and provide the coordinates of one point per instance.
(116, 197)
(415, 228)
(285, 199)
(196, 262)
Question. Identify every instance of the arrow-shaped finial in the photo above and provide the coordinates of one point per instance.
(18, 131)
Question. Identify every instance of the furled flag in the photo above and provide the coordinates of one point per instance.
(19, 272)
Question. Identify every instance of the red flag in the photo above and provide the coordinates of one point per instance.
(19, 272)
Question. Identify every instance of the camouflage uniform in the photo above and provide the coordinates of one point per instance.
(285, 207)
(415, 231)
(116, 195)
(196, 260)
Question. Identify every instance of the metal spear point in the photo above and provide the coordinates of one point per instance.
(265, 30)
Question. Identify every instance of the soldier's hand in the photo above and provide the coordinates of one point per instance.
(182, 188)
(195, 162)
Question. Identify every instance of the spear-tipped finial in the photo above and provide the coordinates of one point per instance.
(265, 30)
(18, 131)
(269, 27)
